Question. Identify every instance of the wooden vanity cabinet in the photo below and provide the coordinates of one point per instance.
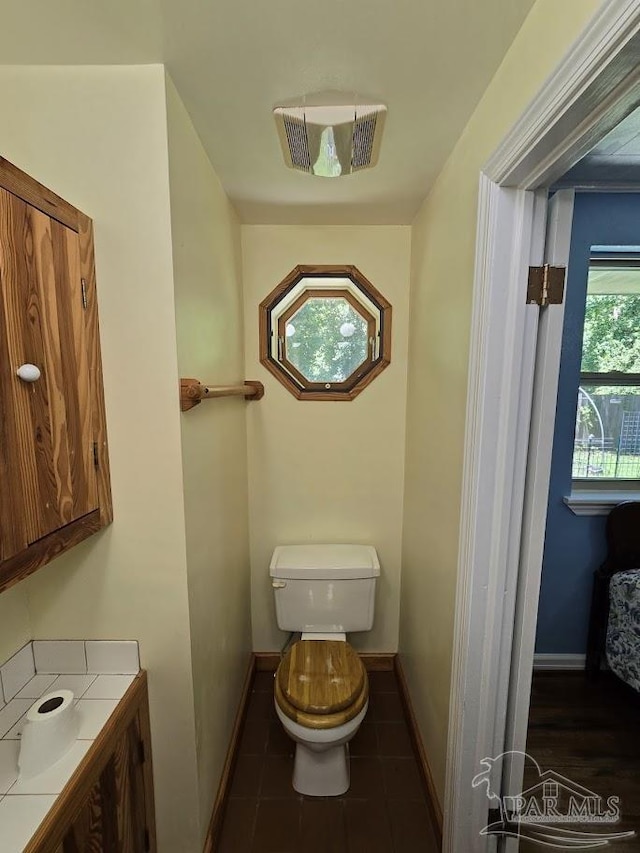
(107, 806)
(54, 468)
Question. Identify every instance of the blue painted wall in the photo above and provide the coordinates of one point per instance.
(575, 546)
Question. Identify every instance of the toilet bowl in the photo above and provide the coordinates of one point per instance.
(321, 697)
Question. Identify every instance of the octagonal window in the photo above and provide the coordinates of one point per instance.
(325, 332)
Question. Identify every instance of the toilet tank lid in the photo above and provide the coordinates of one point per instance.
(320, 562)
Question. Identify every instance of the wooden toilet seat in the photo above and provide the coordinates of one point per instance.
(321, 684)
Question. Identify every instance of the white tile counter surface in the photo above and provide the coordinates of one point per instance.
(98, 672)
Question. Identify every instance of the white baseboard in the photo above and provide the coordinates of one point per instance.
(558, 661)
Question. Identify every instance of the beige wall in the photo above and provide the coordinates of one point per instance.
(442, 267)
(15, 626)
(98, 137)
(208, 294)
(325, 472)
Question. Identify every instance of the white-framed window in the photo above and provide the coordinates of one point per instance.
(606, 453)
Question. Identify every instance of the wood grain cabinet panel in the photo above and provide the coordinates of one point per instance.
(93, 830)
(53, 453)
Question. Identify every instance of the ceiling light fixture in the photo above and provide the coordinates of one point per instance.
(331, 139)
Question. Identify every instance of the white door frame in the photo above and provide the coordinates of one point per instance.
(548, 346)
(593, 88)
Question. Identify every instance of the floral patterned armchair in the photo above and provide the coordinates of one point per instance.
(622, 645)
(614, 625)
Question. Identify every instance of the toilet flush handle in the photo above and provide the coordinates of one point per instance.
(278, 584)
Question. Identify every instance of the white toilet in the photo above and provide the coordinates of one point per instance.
(321, 686)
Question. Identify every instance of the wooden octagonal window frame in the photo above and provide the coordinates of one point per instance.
(328, 281)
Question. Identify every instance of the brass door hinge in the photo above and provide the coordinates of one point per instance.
(96, 458)
(545, 285)
(83, 291)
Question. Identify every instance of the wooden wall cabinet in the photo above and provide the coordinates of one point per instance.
(108, 803)
(54, 467)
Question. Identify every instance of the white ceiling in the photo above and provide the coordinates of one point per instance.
(429, 61)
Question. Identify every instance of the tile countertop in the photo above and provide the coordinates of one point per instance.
(33, 671)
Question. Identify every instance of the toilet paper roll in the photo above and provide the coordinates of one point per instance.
(49, 732)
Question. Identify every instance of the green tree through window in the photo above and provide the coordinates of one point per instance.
(326, 339)
(611, 333)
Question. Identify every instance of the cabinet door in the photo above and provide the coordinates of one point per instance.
(129, 782)
(47, 471)
(113, 817)
(94, 828)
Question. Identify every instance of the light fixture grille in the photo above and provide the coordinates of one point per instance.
(298, 142)
(364, 132)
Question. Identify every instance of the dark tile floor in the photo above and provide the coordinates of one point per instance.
(384, 811)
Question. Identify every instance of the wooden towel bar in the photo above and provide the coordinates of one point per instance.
(192, 392)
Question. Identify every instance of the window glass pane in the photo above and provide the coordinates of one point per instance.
(607, 438)
(612, 320)
(326, 339)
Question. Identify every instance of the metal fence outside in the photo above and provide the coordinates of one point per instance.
(607, 439)
(605, 458)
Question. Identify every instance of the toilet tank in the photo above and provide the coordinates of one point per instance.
(324, 588)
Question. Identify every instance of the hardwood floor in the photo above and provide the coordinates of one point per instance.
(588, 733)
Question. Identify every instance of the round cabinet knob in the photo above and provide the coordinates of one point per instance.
(29, 372)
